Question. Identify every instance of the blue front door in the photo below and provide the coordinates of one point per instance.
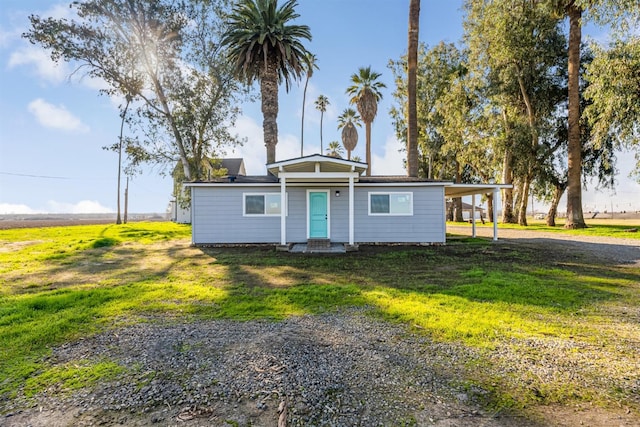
(318, 218)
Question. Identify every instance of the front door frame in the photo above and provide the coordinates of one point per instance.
(328, 193)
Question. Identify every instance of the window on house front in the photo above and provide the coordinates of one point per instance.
(261, 204)
(394, 203)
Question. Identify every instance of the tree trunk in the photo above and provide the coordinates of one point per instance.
(517, 190)
(575, 217)
(523, 201)
(457, 202)
(490, 206)
(450, 209)
(304, 99)
(321, 117)
(507, 176)
(412, 66)
(269, 95)
(123, 119)
(507, 194)
(368, 146)
(457, 210)
(126, 201)
(558, 191)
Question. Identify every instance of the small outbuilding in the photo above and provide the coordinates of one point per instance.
(319, 202)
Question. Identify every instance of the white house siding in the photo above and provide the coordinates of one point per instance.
(218, 216)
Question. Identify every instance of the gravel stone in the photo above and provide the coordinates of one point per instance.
(339, 369)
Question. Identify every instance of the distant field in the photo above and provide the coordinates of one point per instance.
(62, 220)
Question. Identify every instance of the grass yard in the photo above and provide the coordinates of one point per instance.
(62, 283)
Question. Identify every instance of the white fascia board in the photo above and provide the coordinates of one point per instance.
(232, 184)
(318, 175)
(402, 184)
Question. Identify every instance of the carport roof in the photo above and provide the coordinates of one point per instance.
(460, 190)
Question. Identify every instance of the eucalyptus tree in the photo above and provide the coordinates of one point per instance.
(309, 67)
(518, 47)
(614, 95)
(412, 69)
(618, 14)
(263, 44)
(365, 92)
(321, 105)
(347, 121)
(164, 57)
(436, 67)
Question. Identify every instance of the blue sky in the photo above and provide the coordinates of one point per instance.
(53, 128)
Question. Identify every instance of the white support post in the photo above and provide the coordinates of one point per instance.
(473, 215)
(351, 212)
(495, 214)
(283, 211)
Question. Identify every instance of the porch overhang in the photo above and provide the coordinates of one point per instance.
(317, 168)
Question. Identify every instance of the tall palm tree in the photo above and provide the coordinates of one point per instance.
(365, 93)
(575, 216)
(412, 72)
(263, 46)
(321, 105)
(347, 121)
(311, 64)
(335, 149)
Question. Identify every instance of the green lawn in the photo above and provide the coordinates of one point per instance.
(58, 284)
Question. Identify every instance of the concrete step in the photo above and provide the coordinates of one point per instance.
(315, 244)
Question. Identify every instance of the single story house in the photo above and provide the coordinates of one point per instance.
(319, 200)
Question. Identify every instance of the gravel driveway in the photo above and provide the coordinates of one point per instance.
(338, 369)
(609, 249)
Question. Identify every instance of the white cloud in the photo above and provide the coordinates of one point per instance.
(8, 36)
(56, 117)
(40, 59)
(11, 208)
(82, 207)
(391, 161)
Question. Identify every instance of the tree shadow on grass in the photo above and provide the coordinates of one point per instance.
(504, 273)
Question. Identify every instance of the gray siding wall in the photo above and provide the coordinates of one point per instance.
(217, 216)
(426, 225)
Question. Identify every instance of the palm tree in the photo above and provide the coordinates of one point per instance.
(347, 121)
(365, 93)
(321, 105)
(412, 68)
(575, 216)
(263, 46)
(311, 64)
(356, 159)
(335, 149)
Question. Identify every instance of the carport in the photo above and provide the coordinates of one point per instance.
(461, 190)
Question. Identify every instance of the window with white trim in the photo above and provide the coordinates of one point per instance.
(261, 204)
(390, 203)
